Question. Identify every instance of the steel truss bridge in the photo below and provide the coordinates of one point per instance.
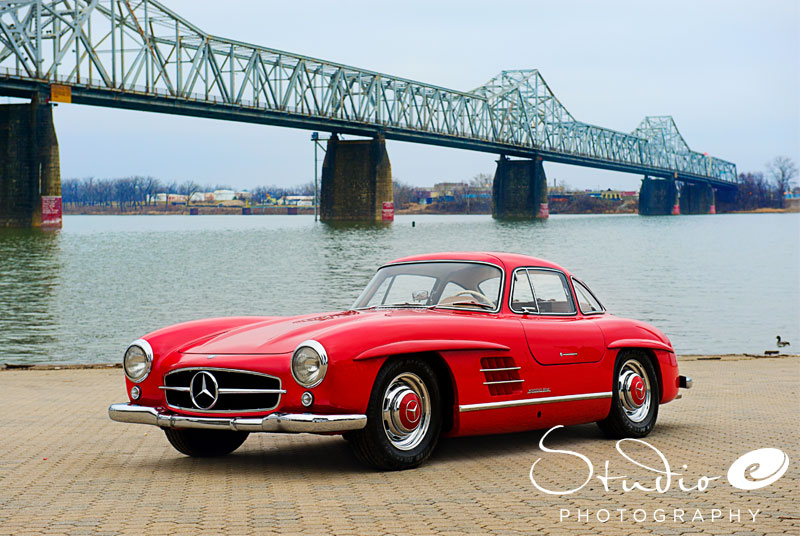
(138, 54)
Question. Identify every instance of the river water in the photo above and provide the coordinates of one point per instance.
(714, 284)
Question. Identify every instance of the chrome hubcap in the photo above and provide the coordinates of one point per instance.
(406, 411)
(634, 390)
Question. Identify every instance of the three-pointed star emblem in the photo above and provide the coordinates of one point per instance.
(204, 390)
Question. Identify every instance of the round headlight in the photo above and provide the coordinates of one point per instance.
(138, 360)
(309, 364)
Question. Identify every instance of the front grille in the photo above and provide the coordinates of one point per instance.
(236, 390)
(502, 375)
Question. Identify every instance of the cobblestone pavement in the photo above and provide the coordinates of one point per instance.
(65, 468)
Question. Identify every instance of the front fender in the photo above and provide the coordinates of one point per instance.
(428, 345)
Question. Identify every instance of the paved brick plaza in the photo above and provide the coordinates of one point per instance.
(67, 469)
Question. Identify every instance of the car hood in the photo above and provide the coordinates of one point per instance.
(273, 336)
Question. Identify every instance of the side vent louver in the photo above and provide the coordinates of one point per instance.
(502, 375)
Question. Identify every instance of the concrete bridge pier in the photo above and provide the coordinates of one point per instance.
(658, 197)
(519, 190)
(30, 174)
(356, 181)
(697, 199)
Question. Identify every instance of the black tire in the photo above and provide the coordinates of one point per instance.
(632, 422)
(203, 443)
(372, 444)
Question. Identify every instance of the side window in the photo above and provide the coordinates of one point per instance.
(522, 298)
(552, 292)
(586, 301)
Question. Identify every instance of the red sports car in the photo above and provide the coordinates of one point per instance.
(449, 343)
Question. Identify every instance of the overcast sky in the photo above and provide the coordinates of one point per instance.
(727, 71)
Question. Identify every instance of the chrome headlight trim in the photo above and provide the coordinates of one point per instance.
(323, 362)
(148, 354)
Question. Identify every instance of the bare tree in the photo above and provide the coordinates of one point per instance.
(756, 192)
(149, 186)
(404, 194)
(783, 171)
(188, 188)
(481, 180)
(169, 188)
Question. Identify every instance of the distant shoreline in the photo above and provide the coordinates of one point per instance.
(283, 211)
(182, 210)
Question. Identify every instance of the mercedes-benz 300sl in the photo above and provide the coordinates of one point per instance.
(449, 344)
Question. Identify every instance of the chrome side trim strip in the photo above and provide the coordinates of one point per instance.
(531, 401)
(275, 422)
(499, 369)
(502, 381)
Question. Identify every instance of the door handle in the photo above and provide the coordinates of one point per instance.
(568, 354)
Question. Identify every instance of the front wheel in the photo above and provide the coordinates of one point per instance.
(203, 443)
(634, 399)
(403, 417)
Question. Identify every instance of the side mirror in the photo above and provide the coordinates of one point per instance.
(420, 295)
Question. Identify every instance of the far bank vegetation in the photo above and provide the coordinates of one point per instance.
(772, 190)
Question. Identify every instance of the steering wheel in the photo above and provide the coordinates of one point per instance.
(475, 294)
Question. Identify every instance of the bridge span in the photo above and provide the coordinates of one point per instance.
(138, 54)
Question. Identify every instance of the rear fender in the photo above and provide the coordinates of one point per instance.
(640, 343)
(666, 366)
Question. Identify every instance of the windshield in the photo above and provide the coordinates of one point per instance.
(462, 285)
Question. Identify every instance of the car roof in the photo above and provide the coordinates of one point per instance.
(509, 261)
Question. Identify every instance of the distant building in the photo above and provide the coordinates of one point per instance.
(609, 194)
(297, 200)
(448, 192)
(224, 195)
(449, 188)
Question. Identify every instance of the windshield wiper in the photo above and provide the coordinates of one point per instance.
(478, 304)
(395, 306)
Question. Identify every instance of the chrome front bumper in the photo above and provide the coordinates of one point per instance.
(275, 422)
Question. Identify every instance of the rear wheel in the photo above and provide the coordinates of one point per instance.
(403, 417)
(634, 399)
(202, 443)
